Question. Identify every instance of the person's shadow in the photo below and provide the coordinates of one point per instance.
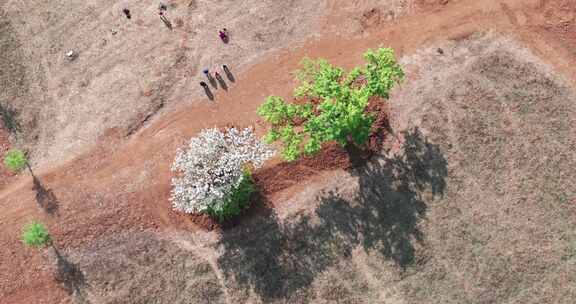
(229, 74)
(208, 93)
(222, 83)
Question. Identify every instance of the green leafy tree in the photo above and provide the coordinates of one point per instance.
(15, 160)
(36, 235)
(335, 107)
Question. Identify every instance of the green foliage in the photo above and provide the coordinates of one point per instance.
(236, 201)
(336, 107)
(35, 235)
(382, 71)
(15, 160)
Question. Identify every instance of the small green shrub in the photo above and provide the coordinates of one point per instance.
(236, 201)
(35, 235)
(15, 160)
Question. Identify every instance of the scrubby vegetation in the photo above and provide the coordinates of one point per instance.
(213, 174)
(15, 160)
(334, 104)
(36, 235)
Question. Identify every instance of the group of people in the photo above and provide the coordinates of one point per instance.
(213, 79)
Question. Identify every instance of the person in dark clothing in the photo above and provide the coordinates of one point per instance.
(127, 13)
(165, 20)
(224, 35)
(207, 90)
(210, 78)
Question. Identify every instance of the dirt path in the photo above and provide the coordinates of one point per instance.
(124, 184)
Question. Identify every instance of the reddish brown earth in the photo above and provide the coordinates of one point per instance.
(5, 175)
(124, 183)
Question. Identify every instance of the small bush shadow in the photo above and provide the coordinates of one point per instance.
(69, 276)
(277, 259)
(45, 197)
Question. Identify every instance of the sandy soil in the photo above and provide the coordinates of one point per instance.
(474, 245)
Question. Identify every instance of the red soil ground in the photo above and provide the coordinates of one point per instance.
(5, 174)
(125, 182)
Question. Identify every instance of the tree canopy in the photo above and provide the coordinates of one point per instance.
(334, 104)
(213, 173)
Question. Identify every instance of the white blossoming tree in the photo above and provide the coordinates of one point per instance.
(212, 174)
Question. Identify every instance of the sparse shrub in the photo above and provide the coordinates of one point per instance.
(36, 235)
(15, 160)
(212, 173)
(336, 104)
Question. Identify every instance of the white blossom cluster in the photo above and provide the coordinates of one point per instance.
(212, 167)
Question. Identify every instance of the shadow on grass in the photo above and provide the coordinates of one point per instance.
(45, 197)
(69, 276)
(278, 259)
(8, 117)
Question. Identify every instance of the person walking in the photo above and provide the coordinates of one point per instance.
(207, 90)
(221, 81)
(165, 20)
(224, 35)
(127, 13)
(210, 78)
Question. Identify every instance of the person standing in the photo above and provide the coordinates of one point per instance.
(127, 13)
(224, 35)
(165, 20)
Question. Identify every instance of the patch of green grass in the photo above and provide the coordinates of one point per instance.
(35, 235)
(15, 160)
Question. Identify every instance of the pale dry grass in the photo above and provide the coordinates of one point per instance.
(127, 70)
